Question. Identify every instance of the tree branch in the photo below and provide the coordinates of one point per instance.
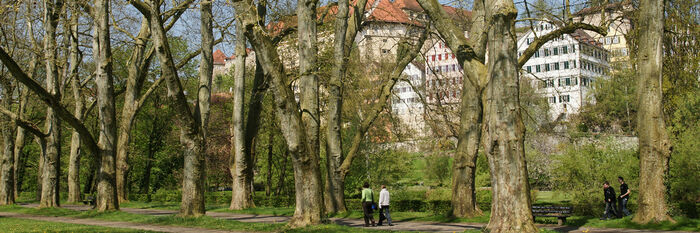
(29, 126)
(567, 29)
(403, 58)
(50, 100)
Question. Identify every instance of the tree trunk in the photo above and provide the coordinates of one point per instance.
(74, 159)
(335, 190)
(309, 199)
(192, 136)
(51, 164)
(18, 159)
(106, 187)
(138, 62)
(241, 165)
(503, 127)
(654, 144)
(19, 140)
(7, 196)
(307, 176)
(268, 179)
(464, 165)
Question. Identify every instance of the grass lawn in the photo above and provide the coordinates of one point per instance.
(173, 220)
(26, 225)
(681, 224)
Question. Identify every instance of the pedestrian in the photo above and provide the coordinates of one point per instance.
(609, 192)
(367, 203)
(384, 206)
(624, 196)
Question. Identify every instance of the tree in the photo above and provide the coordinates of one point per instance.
(192, 124)
(106, 187)
(345, 30)
(51, 162)
(74, 60)
(309, 200)
(654, 143)
(138, 64)
(491, 108)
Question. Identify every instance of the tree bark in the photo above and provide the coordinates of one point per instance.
(138, 63)
(503, 127)
(51, 167)
(7, 196)
(307, 174)
(191, 136)
(20, 138)
(309, 199)
(334, 187)
(241, 164)
(654, 144)
(106, 187)
(74, 158)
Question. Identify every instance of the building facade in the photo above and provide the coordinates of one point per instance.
(564, 69)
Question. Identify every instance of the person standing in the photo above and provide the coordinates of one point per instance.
(624, 196)
(609, 192)
(384, 206)
(367, 202)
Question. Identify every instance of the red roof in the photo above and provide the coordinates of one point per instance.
(219, 57)
(385, 11)
(583, 37)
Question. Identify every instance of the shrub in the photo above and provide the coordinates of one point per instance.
(581, 170)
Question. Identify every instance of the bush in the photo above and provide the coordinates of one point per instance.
(581, 170)
(438, 168)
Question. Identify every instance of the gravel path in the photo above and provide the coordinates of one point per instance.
(398, 226)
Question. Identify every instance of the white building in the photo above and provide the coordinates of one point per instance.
(406, 104)
(564, 68)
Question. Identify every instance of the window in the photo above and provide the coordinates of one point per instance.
(550, 83)
(546, 67)
(567, 81)
(573, 48)
(556, 51)
(537, 53)
(384, 40)
(529, 69)
(556, 66)
(453, 56)
(537, 68)
(520, 54)
(564, 50)
(433, 57)
(529, 41)
(584, 81)
(566, 65)
(564, 99)
(546, 52)
(608, 40)
(616, 40)
(439, 57)
(575, 79)
(553, 99)
(559, 83)
(573, 63)
(447, 56)
(623, 51)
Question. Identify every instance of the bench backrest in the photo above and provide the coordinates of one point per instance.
(552, 209)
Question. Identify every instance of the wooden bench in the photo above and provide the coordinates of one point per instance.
(559, 212)
(90, 200)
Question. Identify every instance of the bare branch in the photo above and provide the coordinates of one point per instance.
(567, 29)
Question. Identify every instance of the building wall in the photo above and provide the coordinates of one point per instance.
(564, 69)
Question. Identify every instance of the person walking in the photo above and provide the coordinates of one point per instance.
(609, 192)
(624, 196)
(384, 206)
(367, 203)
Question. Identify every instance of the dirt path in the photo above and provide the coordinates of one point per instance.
(398, 226)
(115, 224)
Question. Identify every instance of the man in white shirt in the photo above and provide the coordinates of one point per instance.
(384, 206)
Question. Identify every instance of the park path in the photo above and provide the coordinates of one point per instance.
(398, 226)
(115, 224)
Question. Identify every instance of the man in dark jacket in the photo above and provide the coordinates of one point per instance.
(624, 196)
(610, 200)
